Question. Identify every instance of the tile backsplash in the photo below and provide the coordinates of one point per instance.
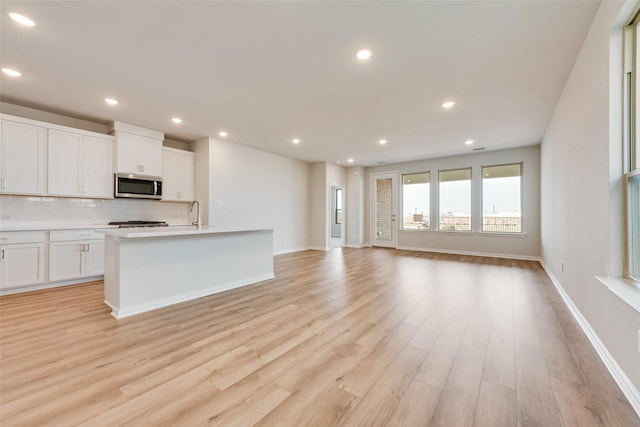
(19, 210)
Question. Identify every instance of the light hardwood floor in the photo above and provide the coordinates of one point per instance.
(350, 337)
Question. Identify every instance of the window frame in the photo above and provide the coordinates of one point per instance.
(628, 274)
(427, 214)
(631, 125)
(522, 222)
(339, 209)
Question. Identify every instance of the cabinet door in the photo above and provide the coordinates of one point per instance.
(150, 155)
(64, 164)
(65, 260)
(178, 176)
(97, 167)
(127, 153)
(22, 264)
(22, 154)
(94, 258)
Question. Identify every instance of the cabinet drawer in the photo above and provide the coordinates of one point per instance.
(11, 237)
(68, 235)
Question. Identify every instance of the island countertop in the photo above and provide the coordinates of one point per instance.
(144, 232)
(149, 268)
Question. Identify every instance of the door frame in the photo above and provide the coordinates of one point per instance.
(331, 212)
(393, 243)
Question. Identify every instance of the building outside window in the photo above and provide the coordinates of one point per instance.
(501, 201)
(415, 201)
(454, 200)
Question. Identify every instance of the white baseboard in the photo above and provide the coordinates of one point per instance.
(630, 391)
(355, 246)
(318, 248)
(122, 312)
(288, 251)
(50, 285)
(470, 253)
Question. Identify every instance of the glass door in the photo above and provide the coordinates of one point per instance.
(383, 187)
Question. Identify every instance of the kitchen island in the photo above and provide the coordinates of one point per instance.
(149, 268)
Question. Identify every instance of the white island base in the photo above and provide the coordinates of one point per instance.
(149, 268)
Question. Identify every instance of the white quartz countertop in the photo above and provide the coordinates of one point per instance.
(41, 226)
(145, 232)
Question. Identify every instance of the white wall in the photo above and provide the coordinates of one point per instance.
(318, 220)
(245, 187)
(58, 119)
(578, 185)
(525, 246)
(355, 207)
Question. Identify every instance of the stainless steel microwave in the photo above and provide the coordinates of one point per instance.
(138, 186)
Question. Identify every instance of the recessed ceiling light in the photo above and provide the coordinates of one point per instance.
(296, 140)
(111, 101)
(10, 72)
(469, 141)
(21, 19)
(382, 141)
(448, 104)
(364, 54)
(350, 160)
(176, 120)
(223, 133)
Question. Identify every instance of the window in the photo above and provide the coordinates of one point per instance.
(631, 161)
(338, 205)
(415, 201)
(454, 193)
(501, 207)
(633, 219)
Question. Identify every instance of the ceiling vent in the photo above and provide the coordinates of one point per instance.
(478, 149)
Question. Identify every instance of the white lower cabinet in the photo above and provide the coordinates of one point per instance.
(75, 254)
(22, 258)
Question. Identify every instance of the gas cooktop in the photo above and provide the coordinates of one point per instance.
(130, 224)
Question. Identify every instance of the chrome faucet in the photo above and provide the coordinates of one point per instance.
(198, 221)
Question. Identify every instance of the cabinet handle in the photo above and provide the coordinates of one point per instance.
(3, 184)
(2, 254)
(88, 247)
(142, 168)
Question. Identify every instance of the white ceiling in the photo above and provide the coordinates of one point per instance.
(270, 71)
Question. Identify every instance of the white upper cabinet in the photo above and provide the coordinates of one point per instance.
(97, 161)
(23, 152)
(178, 175)
(80, 165)
(138, 150)
(150, 156)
